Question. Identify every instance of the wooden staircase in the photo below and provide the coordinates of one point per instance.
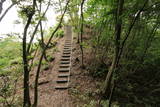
(63, 77)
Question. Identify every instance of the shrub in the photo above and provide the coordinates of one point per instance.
(50, 58)
(59, 33)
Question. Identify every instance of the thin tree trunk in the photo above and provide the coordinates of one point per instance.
(32, 37)
(78, 38)
(81, 34)
(3, 15)
(111, 95)
(35, 30)
(1, 5)
(42, 37)
(118, 26)
(42, 41)
(26, 100)
(31, 64)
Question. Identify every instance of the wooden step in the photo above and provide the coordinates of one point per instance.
(64, 70)
(65, 62)
(67, 44)
(64, 66)
(65, 59)
(67, 48)
(61, 87)
(64, 55)
(67, 52)
(63, 75)
(67, 40)
(62, 81)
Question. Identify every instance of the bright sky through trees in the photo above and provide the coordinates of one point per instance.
(7, 24)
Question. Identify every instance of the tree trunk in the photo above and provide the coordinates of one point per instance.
(41, 29)
(81, 34)
(111, 95)
(42, 41)
(118, 27)
(1, 5)
(78, 38)
(26, 100)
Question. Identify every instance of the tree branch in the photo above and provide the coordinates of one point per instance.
(35, 30)
(6, 11)
(129, 30)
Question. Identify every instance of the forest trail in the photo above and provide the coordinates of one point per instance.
(63, 76)
(49, 95)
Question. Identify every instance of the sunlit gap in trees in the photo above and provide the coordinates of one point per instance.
(13, 25)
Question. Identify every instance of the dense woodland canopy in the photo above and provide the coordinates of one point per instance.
(118, 44)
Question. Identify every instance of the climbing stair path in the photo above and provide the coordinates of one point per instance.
(63, 77)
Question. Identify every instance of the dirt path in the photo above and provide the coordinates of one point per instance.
(48, 95)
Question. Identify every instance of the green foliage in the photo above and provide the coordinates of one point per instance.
(59, 33)
(55, 49)
(10, 54)
(26, 11)
(37, 62)
(140, 55)
(50, 58)
(16, 61)
(85, 45)
(38, 17)
(30, 57)
(8, 86)
(10, 71)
